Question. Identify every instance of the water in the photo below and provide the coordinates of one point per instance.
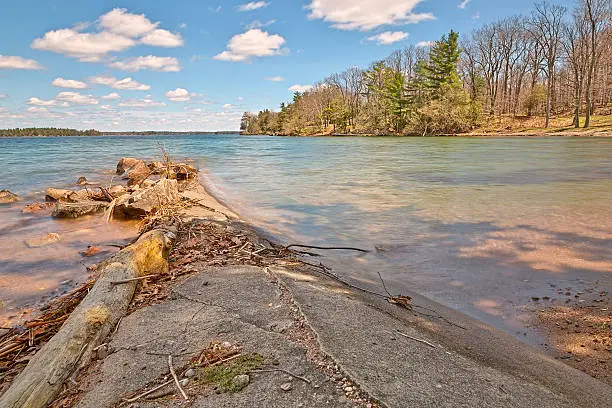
(481, 225)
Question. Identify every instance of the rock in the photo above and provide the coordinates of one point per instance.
(157, 168)
(45, 240)
(286, 386)
(91, 251)
(138, 173)
(7, 197)
(241, 381)
(143, 201)
(183, 171)
(125, 163)
(58, 194)
(38, 209)
(190, 373)
(81, 181)
(184, 382)
(75, 210)
(117, 191)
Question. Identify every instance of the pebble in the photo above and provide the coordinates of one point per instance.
(286, 386)
(184, 382)
(241, 381)
(348, 389)
(190, 373)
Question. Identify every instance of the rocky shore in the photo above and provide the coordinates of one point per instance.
(235, 320)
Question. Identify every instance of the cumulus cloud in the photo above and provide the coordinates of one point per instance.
(14, 62)
(275, 79)
(39, 102)
(112, 96)
(463, 4)
(253, 43)
(68, 83)
(153, 63)
(253, 5)
(300, 88)
(127, 83)
(119, 30)
(425, 44)
(366, 15)
(178, 95)
(141, 103)
(76, 98)
(389, 37)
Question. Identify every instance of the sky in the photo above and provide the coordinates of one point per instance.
(197, 65)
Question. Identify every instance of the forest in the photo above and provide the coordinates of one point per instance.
(525, 70)
(47, 132)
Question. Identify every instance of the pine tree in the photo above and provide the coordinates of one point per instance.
(442, 65)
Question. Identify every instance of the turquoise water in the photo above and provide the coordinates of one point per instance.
(482, 225)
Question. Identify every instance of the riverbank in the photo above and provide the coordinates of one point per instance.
(229, 291)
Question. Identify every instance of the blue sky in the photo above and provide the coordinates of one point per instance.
(198, 64)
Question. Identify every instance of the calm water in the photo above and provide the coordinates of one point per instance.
(482, 225)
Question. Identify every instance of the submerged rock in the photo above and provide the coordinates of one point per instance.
(126, 163)
(45, 240)
(8, 197)
(76, 210)
(39, 209)
(144, 201)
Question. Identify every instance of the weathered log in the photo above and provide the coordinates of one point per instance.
(90, 323)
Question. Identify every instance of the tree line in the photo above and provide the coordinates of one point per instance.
(48, 132)
(551, 61)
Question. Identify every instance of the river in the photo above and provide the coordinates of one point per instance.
(493, 227)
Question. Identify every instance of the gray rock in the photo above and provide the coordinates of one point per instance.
(286, 386)
(8, 197)
(76, 210)
(143, 201)
(241, 381)
(190, 373)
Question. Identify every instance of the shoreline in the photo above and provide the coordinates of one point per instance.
(314, 291)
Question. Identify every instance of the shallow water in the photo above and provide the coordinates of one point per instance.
(481, 225)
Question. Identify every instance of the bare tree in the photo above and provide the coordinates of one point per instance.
(576, 49)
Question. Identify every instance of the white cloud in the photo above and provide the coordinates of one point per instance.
(141, 103)
(178, 95)
(366, 15)
(240, 98)
(118, 30)
(112, 96)
(253, 5)
(14, 62)
(253, 43)
(162, 38)
(182, 26)
(119, 21)
(476, 16)
(275, 79)
(259, 24)
(68, 83)
(228, 106)
(39, 102)
(300, 88)
(161, 64)
(424, 44)
(389, 37)
(127, 83)
(463, 4)
(84, 46)
(76, 98)
(3, 96)
(37, 109)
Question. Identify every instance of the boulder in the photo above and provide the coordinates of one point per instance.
(44, 240)
(58, 194)
(38, 209)
(145, 200)
(8, 197)
(138, 173)
(126, 163)
(183, 171)
(75, 210)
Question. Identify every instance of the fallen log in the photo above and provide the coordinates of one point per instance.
(89, 324)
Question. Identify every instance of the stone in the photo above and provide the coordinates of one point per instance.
(183, 171)
(81, 181)
(44, 240)
(38, 209)
(144, 201)
(76, 210)
(286, 386)
(241, 381)
(117, 191)
(157, 168)
(184, 382)
(138, 173)
(7, 197)
(58, 194)
(125, 163)
(190, 373)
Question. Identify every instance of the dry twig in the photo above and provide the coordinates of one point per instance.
(176, 381)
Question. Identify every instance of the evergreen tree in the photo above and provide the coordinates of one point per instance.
(442, 65)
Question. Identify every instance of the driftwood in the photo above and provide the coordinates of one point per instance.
(90, 323)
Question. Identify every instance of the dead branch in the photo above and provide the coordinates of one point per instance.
(139, 278)
(176, 381)
(151, 391)
(415, 339)
(327, 248)
(306, 380)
